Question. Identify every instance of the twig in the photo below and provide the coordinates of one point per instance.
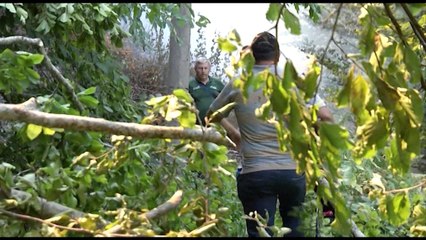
(326, 49)
(395, 23)
(13, 112)
(415, 25)
(38, 43)
(406, 189)
(346, 55)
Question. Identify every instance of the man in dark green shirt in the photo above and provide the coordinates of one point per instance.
(204, 88)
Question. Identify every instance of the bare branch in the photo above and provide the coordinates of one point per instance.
(15, 112)
(38, 43)
(326, 48)
(395, 23)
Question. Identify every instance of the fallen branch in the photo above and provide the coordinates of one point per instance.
(166, 207)
(48, 208)
(38, 43)
(17, 112)
(162, 209)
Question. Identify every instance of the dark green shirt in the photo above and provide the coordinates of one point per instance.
(204, 95)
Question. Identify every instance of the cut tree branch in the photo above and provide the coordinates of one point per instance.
(16, 112)
(38, 43)
(162, 209)
(50, 209)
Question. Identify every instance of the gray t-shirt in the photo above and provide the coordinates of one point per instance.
(259, 142)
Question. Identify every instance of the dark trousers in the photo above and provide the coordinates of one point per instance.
(261, 190)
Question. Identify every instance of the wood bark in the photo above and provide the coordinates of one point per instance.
(25, 113)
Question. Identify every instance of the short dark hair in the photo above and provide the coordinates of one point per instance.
(265, 47)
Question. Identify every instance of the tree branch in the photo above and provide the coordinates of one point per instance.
(415, 25)
(38, 43)
(16, 112)
(48, 208)
(326, 48)
(395, 23)
(162, 209)
(166, 207)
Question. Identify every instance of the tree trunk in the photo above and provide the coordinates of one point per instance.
(179, 59)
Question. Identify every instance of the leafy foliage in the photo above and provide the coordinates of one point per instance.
(117, 180)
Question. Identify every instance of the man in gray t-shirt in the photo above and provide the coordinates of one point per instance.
(267, 173)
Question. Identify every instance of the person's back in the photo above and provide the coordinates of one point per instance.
(267, 173)
(259, 142)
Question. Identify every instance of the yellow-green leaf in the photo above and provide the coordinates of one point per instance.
(182, 94)
(226, 46)
(48, 131)
(33, 131)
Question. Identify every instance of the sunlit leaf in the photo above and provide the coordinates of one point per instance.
(33, 131)
(182, 94)
(226, 46)
(48, 131)
(88, 91)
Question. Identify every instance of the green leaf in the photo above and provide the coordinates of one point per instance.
(398, 208)
(36, 58)
(412, 63)
(64, 17)
(187, 119)
(291, 22)
(88, 91)
(88, 101)
(344, 95)
(8, 6)
(310, 81)
(359, 97)
(43, 27)
(234, 36)
(273, 11)
(33, 131)
(23, 15)
(290, 75)
(335, 135)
